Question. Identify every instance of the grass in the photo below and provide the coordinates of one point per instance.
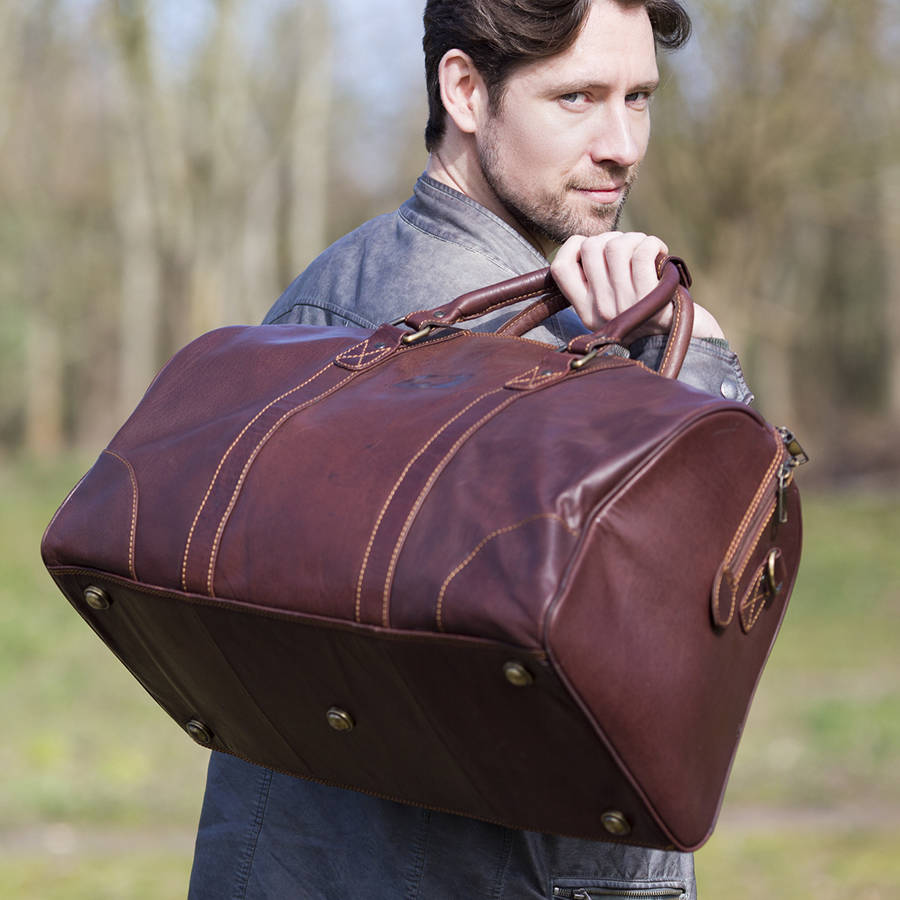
(83, 742)
(101, 791)
(133, 875)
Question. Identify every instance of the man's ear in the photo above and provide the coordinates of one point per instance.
(463, 90)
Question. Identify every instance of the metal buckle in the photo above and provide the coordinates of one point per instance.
(421, 333)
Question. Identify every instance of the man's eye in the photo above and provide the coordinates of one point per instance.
(638, 98)
(574, 98)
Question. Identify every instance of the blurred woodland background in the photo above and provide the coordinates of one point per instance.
(168, 168)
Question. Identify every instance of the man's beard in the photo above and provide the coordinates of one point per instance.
(551, 216)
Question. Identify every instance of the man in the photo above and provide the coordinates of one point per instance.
(539, 119)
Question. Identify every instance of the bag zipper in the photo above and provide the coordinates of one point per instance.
(798, 457)
(563, 893)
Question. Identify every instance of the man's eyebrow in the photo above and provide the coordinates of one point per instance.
(574, 85)
(646, 86)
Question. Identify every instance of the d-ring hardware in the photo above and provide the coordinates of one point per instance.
(582, 361)
(422, 332)
(771, 578)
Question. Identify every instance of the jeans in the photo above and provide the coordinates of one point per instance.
(267, 836)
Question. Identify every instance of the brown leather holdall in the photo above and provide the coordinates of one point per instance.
(461, 570)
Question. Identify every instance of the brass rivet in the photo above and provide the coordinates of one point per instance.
(516, 674)
(96, 598)
(380, 345)
(440, 314)
(199, 732)
(615, 823)
(339, 719)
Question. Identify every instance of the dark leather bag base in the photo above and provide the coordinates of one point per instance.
(523, 593)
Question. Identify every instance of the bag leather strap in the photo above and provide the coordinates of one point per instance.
(674, 281)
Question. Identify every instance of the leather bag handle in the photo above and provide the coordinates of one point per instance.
(540, 287)
(477, 303)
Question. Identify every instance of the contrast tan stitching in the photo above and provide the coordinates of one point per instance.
(233, 444)
(727, 577)
(364, 356)
(424, 493)
(396, 487)
(751, 509)
(748, 555)
(753, 603)
(485, 541)
(534, 314)
(734, 578)
(134, 509)
(509, 301)
(534, 378)
(214, 550)
(676, 321)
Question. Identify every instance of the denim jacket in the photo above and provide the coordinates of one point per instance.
(441, 244)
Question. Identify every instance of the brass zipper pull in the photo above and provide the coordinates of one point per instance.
(798, 457)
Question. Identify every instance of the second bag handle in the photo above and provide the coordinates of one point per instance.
(547, 300)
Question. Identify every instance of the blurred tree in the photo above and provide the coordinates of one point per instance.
(140, 164)
(308, 129)
(764, 175)
(201, 168)
(147, 196)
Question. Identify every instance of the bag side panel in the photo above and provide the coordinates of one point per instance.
(633, 634)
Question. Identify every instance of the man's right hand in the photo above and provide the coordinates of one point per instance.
(605, 274)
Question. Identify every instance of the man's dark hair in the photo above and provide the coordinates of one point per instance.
(500, 35)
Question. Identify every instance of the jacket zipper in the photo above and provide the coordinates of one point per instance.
(589, 893)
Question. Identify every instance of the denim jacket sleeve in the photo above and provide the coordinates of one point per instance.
(710, 365)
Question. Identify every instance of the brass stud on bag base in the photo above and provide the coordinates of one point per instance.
(517, 675)
(339, 719)
(96, 598)
(199, 732)
(616, 823)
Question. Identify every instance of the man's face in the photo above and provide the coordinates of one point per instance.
(561, 151)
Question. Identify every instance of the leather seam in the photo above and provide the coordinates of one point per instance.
(393, 492)
(754, 504)
(414, 509)
(676, 321)
(134, 509)
(225, 455)
(483, 543)
(214, 549)
(364, 357)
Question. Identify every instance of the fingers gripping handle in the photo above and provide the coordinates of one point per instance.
(674, 280)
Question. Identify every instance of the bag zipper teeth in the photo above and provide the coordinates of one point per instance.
(589, 893)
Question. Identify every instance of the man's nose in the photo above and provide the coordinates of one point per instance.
(616, 137)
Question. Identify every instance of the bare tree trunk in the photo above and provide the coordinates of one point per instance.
(260, 283)
(891, 229)
(133, 187)
(140, 277)
(309, 135)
